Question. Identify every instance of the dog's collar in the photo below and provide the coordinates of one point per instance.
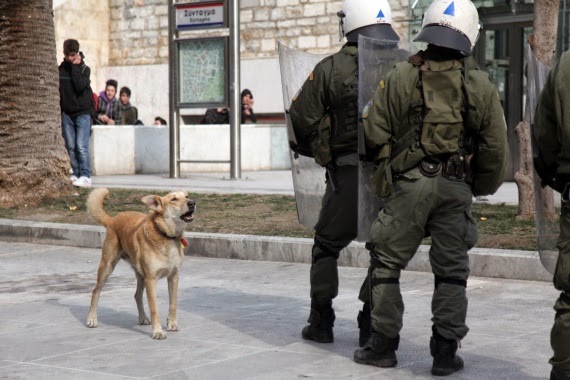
(164, 234)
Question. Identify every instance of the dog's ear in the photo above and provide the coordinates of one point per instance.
(153, 201)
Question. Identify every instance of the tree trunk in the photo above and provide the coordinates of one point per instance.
(33, 161)
(543, 40)
(524, 176)
(542, 43)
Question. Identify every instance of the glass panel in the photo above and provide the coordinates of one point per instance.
(497, 62)
(202, 71)
(562, 37)
(526, 33)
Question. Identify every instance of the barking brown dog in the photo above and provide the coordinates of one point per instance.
(152, 244)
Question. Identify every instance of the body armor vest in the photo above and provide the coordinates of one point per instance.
(344, 103)
(435, 121)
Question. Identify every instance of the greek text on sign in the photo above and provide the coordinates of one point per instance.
(199, 15)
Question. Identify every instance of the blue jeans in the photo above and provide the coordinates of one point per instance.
(76, 131)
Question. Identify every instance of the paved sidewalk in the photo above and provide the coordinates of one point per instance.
(242, 320)
(257, 182)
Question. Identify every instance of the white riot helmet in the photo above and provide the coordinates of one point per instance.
(452, 24)
(371, 18)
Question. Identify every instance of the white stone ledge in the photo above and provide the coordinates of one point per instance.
(117, 150)
(520, 265)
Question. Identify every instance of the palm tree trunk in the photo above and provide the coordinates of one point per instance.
(33, 160)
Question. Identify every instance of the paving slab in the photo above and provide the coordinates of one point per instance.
(241, 319)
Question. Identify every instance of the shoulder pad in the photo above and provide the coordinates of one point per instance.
(350, 50)
(325, 60)
(321, 66)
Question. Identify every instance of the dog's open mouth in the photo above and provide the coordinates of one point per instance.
(188, 217)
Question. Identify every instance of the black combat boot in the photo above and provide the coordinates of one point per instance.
(321, 322)
(445, 362)
(557, 375)
(364, 324)
(379, 351)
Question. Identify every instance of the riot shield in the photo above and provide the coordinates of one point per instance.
(546, 201)
(375, 59)
(308, 177)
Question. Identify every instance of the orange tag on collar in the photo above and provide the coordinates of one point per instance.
(184, 243)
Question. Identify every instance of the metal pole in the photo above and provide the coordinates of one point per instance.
(174, 128)
(235, 101)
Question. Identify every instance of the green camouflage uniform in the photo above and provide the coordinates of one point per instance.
(332, 89)
(552, 135)
(437, 206)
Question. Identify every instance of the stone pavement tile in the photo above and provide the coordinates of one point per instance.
(8, 363)
(263, 365)
(38, 371)
(523, 357)
(483, 354)
(33, 315)
(242, 319)
(219, 303)
(148, 357)
(23, 248)
(61, 339)
(261, 330)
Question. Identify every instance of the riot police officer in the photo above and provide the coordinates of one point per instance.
(327, 102)
(551, 134)
(439, 131)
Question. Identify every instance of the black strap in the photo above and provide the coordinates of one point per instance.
(450, 281)
(560, 313)
(384, 281)
(565, 297)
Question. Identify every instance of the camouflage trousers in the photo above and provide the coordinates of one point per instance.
(423, 206)
(336, 228)
(560, 334)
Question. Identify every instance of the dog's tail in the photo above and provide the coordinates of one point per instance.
(95, 206)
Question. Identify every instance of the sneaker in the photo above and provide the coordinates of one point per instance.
(82, 182)
(73, 178)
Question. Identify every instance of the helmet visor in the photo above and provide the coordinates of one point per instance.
(377, 31)
(445, 37)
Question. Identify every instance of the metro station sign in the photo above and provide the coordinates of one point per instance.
(200, 15)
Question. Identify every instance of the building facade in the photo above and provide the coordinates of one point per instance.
(127, 40)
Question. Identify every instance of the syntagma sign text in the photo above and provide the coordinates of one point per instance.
(200, 15)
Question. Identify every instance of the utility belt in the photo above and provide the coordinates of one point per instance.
(449, 165)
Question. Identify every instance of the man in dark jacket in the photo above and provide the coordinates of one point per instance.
(129, 114)
(76, 101)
